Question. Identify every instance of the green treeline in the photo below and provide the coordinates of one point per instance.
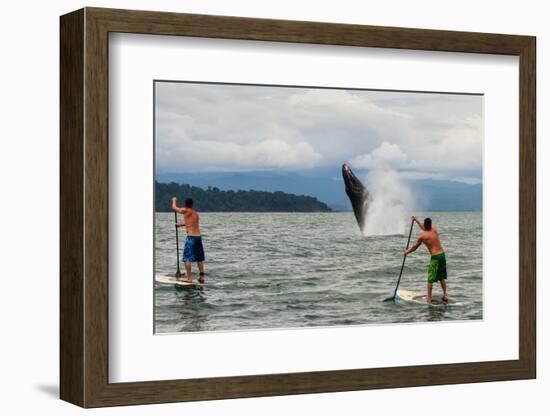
(216, 200)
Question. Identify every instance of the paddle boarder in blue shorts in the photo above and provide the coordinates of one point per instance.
(193, 250)
(437, 269)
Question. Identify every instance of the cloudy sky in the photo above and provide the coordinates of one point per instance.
(235, 128)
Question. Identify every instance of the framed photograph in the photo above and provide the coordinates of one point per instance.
(254, 207)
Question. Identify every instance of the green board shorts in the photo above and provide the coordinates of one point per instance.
(437, 269)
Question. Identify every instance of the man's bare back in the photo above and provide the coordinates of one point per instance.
(191, 218)
(430, 238)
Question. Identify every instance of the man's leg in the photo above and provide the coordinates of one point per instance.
(188, 271)
(201, 271)
(444, 288)
(429, 298)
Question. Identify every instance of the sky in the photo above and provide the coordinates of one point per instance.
(240, 128)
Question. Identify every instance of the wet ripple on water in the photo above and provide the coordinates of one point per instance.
(268, 270)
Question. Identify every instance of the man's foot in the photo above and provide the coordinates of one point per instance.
(201, 278)
(445, 298)
(188, 280)
(429, 300)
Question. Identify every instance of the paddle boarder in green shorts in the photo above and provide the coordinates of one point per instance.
(437, 269)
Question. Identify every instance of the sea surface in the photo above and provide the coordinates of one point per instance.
(293, 270)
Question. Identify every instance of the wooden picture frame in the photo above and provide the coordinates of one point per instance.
(84, 207)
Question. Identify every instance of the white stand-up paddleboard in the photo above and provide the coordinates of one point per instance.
(420, 298)
(171, 280)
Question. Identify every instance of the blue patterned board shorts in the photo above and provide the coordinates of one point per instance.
(193, 250)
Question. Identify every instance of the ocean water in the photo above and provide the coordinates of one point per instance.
(293, 270)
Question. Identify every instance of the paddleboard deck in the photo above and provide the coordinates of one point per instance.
(172, 280)
(420, 298)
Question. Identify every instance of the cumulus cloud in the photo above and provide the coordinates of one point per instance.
(234, 127)
(386, 156)
(211, 155)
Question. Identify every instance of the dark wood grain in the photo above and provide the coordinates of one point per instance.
(527, 208)
(96, 220)
(225, 27)
(71, 184)
(84, 207)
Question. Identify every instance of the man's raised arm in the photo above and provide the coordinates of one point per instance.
(175, 207)
(418, 222)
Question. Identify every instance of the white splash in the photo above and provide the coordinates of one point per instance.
(390, 200)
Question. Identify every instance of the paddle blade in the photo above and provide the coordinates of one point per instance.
(391, 298)
(178, 273)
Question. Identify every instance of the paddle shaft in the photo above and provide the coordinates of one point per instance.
(178, 272)
(404, 258)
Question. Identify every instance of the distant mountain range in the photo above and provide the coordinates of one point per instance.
(327, 186)
(448, 195)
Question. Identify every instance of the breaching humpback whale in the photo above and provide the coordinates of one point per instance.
(357, 194)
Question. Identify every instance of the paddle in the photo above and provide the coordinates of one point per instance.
(178, 272)
(402, 266)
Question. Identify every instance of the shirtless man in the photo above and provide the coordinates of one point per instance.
(437, 269)
(193, 250)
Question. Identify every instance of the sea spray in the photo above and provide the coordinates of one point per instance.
(390, 201)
